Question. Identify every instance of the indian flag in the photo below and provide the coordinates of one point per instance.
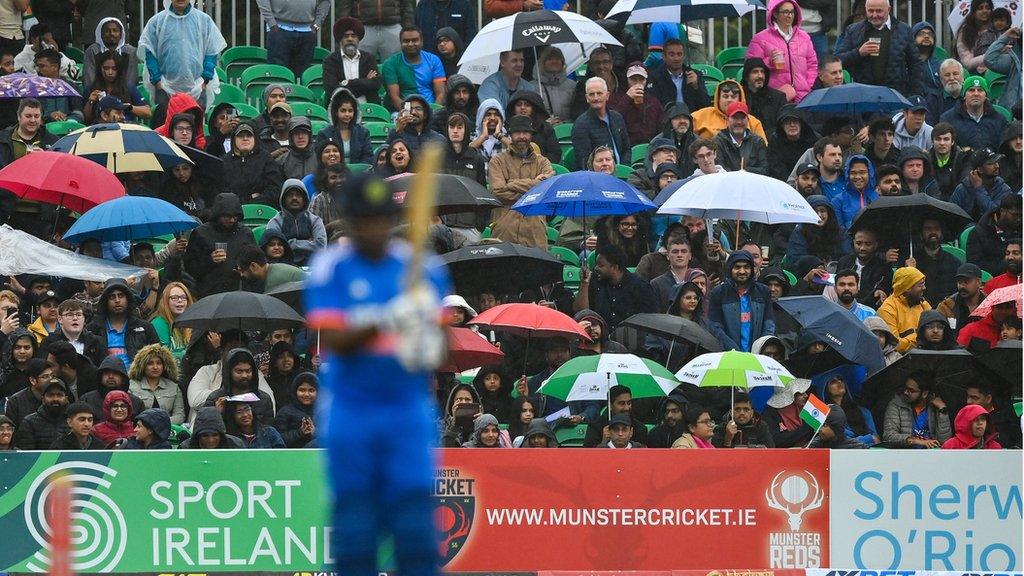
(814, 412)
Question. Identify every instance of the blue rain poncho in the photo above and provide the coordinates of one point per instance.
(178, 49)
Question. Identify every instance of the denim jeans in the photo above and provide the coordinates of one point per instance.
(293, 50)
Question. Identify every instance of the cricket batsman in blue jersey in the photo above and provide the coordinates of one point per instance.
(380, 346)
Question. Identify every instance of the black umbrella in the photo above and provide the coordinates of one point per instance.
(239, 311)
(291, 294)
(674, 328)
(501, 268)
(454, 193)
(810, 365)
(837, 327)
(206, 165)
(953, 371)
(896, 218)
(1004, 361)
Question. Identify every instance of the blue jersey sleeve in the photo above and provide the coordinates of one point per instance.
(325, 302)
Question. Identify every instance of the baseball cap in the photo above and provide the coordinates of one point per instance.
(983, 156)
(280, 106)
(109, 102)
(46, 296)
(365, 195)
(917, 103)
(636, 70)
(807, 167)
(737, 107)
(245, 127)
(968, 270)
(975, 82)
(55, 383)
(622, 419)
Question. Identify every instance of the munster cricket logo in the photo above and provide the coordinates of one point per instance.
(454, 511)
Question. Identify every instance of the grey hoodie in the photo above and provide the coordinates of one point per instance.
(478, 427)
(296, 163)
(304, 231)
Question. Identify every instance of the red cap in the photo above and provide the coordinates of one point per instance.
(737, 107)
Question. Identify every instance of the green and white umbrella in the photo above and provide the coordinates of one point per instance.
(735, 369)
(590, 378)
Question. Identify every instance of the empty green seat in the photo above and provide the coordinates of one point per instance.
(299, 93)
(236, 59)
(319, 53)
(565, 255)
(228, 93)
(622, 171)
(957, 253)
(571, 436)
(378, 131)
(563, 132)
(370, 112)
(63, 127)
(358, 167)
(311, 111)
(254, 215)
(559, 169)
(256, 77)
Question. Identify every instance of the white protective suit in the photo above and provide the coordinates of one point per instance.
(180, 43)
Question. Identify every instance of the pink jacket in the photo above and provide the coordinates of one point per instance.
(800, 68)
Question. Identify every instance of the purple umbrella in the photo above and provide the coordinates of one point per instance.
(22, 85)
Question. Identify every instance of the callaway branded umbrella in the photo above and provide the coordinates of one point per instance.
(128, 218)
(502, 268)
(535, 29)
(123, 148)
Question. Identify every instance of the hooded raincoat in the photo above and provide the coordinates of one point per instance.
(902, 317)
(357, 149)
(728, 307)
(851, 201)
(108, 432)
(180, 52)
(131, 72)
(289, 418)
(159, 423)
(963, 437)
(212, 277)
(208, 420)
(799, 63)
(710, 120)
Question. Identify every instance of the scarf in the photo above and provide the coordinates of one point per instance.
(701, 443)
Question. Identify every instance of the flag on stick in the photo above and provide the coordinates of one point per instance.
(814, 412)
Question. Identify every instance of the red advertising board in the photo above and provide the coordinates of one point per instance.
(594, 509)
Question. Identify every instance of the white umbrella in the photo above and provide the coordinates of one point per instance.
(740, 195)
(535, 29)
(480, 69)
(642, 11)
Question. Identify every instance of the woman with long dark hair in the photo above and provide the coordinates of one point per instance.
(975, 35)
(860, 425)
(328, 153)
(826, 239)
(112, 67)
(627, 232)
(397, 160)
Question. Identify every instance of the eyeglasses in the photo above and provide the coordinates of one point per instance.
(118, 406)
(73, 315)
(178, 298)
(182, 128)
(785, 12)
(707, 422)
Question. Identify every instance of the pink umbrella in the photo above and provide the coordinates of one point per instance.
(1000, 296)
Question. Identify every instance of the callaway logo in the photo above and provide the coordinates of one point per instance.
(491, 251)
(542, 32)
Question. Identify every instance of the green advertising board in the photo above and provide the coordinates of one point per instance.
(175, 511)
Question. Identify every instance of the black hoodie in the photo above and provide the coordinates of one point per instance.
(451, 63)
(210, 277)
(159, 423)
(1010, 165)
(255, 177)
(784, 153)
(263, 408)
(766, 103)
(209, 420)
(439, 121)
(137, 332)
(289, 418)
(95, 398)
(12, 379)
(413, 139)
(499, 402)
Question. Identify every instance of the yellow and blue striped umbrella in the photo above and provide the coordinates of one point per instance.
(123, 148)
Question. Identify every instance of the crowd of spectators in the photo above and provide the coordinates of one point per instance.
(92, 365)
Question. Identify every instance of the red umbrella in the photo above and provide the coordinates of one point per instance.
(467, 350)
(530, 320)
(62, 179)
(998, 296)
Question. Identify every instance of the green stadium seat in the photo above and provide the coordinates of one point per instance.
(591, 259)
(300, 93)
(143, 92)
(559, 169)
(709, 71)
(846, 76)
(370, 112)
(1007, 115)
(622, 171)
(222, 74)
(566, 255)
(985, 276)
(571, 277)
(358, 167)
(229, 93)
(311, 111)
(572, 436)
(552, 235)
(710, 88)
(962, 242)
(790, 276)
(256, 77)
(378, 131)
(486, 233)
(255, 215)
(319, 125)
(940, 53)
(569, 157)
(639, 153)
(319, 53)
(257, 233)
(74, 53)
(64, 127)
(245, 111)
(313, 76)
(563, 132)
(237, 59)
(728, 60)
(957, 253)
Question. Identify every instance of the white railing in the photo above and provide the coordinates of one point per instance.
(240, 22)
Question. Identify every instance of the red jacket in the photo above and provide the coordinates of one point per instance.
(182, 103)
(962, 438)
(986, 329)
(1002, 281)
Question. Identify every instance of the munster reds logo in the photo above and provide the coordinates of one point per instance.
(454, 512)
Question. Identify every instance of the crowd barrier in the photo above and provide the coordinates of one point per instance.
(510, 511)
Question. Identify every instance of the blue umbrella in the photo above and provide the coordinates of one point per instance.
(582, 194)
(853, 99)
(669, 190)
(130, 217)
(837, 327)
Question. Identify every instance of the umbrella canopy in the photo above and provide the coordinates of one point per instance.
(853, 99)
(502, 268)
(537, 28)
(582, 194)
(997, 297)
(207, 165)
(454, 193)
(953, 370)
(530, 320)
(643, 11)
(123, 148)
(1005, 361)
(239, 311)
(734, 369)
(575, 55)
(739, 195)
(895, 218)
(674, 328)
(591, 377)
(22, 85)
(128, 218)
(837, 327)
(468, 350)
(60, 179)
(291, 294)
